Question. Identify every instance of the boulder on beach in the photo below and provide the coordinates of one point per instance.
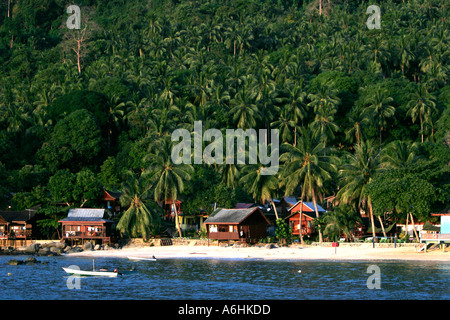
(44, 251)
(61, 245)
(32, 248)
(98, 247)
(88, 246)
(56, 250)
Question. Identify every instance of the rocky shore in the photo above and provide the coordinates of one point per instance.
(53, 249)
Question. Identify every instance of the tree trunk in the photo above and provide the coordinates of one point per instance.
(421, 125)
(274, 208)
(382, 226)
(78, 58)
(300, 222)
(406, 228)
(295, 136)
(369, 204)
(177, 221)
(414, 227)
(317, 215)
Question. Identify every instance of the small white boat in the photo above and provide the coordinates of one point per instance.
(142, 258)
(91, 273)
(101, 272)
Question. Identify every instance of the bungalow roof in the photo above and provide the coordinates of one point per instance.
(17, 216)
(232, 216)
(86, 214)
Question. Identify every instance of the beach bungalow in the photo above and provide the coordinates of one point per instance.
(284, 205)
(246, 225)
(443, 236)
(308, 216)
(193, 221)
(17, 226)
(87, 225)
(112, 199)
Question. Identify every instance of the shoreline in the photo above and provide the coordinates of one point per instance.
(291, 253)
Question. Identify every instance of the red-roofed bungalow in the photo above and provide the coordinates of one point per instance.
(308, 216)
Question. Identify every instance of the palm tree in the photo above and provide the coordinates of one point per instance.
(379, 109)
(308, 167)
(324, 96)
(168, 179)
(421, 104)
(399, 154)
(295, 107)
(244, 111)
(285, 125)
(356, 131)
(341, 220)
(141, 216)
(229, 173)
(358, 171)
(261, 187)
(323, 124)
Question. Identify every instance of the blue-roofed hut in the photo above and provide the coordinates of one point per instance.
(87, 224)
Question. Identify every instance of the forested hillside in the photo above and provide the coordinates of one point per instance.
(362, 113)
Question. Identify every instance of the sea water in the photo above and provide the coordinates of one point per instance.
(234, 279)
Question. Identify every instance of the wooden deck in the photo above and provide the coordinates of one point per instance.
(78, 235)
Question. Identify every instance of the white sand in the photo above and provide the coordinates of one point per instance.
(281, 253)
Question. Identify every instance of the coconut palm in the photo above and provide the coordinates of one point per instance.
(421, 104)
(378, 109)
(261, 187)
(168, 179)
(243, 108)
(341, 220)
(324, 96)
(399, 154)
(355, 132)
(307, 166)
(324, 125)
(141, 215)
(358, 170)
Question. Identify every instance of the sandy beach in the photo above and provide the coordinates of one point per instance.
(295, 252)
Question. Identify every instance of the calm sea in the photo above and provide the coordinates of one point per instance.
(205, 279)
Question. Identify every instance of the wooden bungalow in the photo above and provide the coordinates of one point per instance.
(308, 216)
(444, 230)
(17, 226)
(246, 225)
(112, 199)
(87, 225)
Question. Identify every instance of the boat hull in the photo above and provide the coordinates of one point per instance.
(141, 259)
(91, 273)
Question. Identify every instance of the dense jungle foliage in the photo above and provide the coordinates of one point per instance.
(362, 113)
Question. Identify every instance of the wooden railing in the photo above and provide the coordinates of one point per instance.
(17, 235)
(435, 236)
(88, 234)
(224, 235)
